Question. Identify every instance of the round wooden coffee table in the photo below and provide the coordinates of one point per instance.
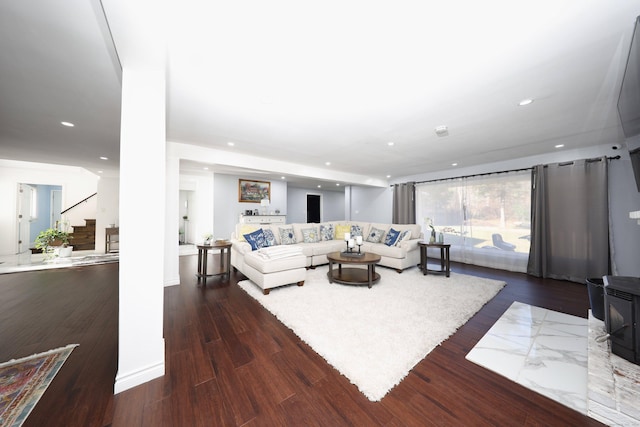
(353, 276)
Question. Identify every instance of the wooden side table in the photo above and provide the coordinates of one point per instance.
(445, 266)
(225, 260)
(111, 239)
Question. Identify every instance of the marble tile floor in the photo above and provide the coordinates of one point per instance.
(543, 350)
(29, 262)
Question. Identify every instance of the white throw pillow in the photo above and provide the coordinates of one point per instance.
(375, 235)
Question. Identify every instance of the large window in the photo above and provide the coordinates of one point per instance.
(486, 219)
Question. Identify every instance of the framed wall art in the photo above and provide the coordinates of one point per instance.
(253, 191)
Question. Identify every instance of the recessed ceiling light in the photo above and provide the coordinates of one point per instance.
(388, 176)
(328, 163)
(337, 184)
(319, 186)
(525, 102)
(442, 130)
(99, 171)
(559, 146)
(67, 124)
(454, 164)
(104, 158)
(231, 144)
(205, 168)
(390, 143)
(282, 177)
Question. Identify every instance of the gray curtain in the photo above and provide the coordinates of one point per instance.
(404, 203)
(569, 221)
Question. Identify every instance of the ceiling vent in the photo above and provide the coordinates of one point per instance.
(442, 131)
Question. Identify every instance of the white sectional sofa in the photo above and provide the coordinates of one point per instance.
(315, 241)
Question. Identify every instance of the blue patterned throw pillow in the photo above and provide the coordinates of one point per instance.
(356, 230)
(326, 232)
(287, 237)
(269, 237)
(404, 235)
(375, 235)
(310, 235)
(256, 239)
(392, 237)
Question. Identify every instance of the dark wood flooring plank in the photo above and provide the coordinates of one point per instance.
(230, 384)
(211, 407)
(229, 362)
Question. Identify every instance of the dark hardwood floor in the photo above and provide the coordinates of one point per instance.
(229, 362)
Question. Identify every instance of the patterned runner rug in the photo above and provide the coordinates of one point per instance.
(23, 381)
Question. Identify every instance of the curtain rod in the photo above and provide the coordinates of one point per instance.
(507, 171)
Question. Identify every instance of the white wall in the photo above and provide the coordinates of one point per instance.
(371, 204)
(228, 208)
(77, 183)
(332, 209)
(333, 205)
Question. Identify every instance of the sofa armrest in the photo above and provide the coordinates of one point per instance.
(241, 246)
(410, 245)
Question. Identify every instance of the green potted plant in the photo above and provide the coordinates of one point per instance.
(51, 240)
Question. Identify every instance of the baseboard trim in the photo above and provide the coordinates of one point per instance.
(125, 382)
(172, 282)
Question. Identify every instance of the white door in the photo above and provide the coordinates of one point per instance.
(24, 217)
(56, 207)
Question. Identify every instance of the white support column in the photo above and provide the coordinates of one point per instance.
(142, 227)
(138, 30)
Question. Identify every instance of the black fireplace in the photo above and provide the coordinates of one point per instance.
(622, 314)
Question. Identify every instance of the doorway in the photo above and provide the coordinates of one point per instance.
(38, 209)
(185, 226)
(314, 204)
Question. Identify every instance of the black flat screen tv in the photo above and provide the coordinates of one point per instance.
(629, 99)
(635, 163)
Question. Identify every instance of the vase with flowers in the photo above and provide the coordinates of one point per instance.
(432, 237)
(207, 238)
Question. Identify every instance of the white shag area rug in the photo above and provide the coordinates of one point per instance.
(374, 337)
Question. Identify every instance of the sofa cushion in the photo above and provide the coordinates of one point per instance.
(287, 236)
(246, 229)
(356, 230)
(310, 235)
(274, 264)
(375, 235)
(323, 248)
(385, 251)
(404, 235)
(269, 237)
(256, 239)
(391, 237)
(326, 232)
(341, 229)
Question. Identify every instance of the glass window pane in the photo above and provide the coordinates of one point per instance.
(486, 219)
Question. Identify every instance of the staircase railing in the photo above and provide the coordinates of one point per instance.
(81, 201)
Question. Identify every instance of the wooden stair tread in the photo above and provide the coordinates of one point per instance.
(84, 236)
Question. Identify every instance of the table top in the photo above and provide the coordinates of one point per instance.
(434, 245)
(367, 258)
(216, 245)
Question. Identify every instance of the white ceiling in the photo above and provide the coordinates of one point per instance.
(331, 81)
